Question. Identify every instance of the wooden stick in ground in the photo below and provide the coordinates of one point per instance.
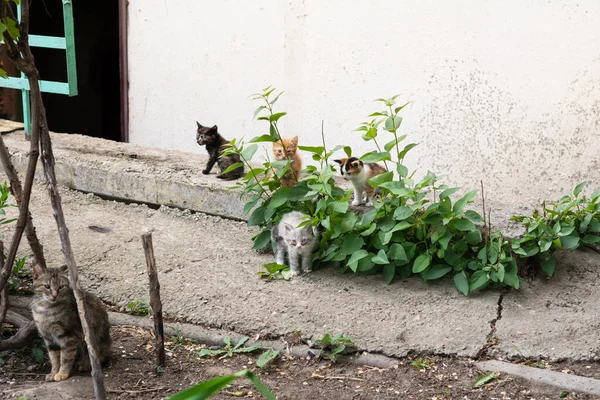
(17, 191)
(155, 302)
(4, 290)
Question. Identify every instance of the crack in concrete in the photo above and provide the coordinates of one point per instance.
(491, 339)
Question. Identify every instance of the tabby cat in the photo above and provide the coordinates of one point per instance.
(358, 172)
(55, 314)
(290, 153)
(298, 243)
(215, 144)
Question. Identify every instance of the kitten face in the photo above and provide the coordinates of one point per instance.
(350, 166)
(50, 284)
(298, 237)
(291, 146)
(205, 135)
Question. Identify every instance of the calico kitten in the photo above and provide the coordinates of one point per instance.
(298, 243)
(357, 172)
(290, 153)
(55, 314)
(215, 144)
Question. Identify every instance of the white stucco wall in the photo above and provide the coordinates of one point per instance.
(507, 92)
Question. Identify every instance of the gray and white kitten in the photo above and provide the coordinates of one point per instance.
(298, 243)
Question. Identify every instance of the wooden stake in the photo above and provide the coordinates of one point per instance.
(155, 302)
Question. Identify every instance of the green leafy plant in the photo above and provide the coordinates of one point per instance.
(421, 363)
(274, 271)
(4, 192)
(228, 350)
(571, 222)
(138, 307)
(19, 272)
(485, 379)
(332, 346)
(207, 389)
(267, 357)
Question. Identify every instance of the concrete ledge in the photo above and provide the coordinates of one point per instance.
(135, 173)
(564, 381)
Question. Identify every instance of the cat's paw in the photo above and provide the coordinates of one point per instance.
(60, 376)
(369, 203)
(356, 202)
(50, 377)
(294, 273)
(205, 171)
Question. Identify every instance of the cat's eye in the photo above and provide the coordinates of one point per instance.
(279, 151)
(47, 286)
(304, 241)
(294, 242)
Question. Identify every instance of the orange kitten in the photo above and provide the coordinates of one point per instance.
(290, 152)
(358, 172)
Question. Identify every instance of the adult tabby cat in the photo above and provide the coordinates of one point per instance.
(358, 172)
(297, 243)
(56, 317)
(215, 144)
(288, 149)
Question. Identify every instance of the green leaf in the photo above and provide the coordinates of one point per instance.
(473, 216)
(380, 258)
(11, 27)
(461, 282)
(266, 357)
(232, 167)
(396, 188)
(392, 123)
(262, 240)
(406, 149)
(3, 73)
(338, 206)
(589, 239)
(448, 192)
(375, 156)
(569, 242)
(273, 132)
(436, 272)
(548, 264)
(399, 108)
(421, 263)
(313, 149)
(348, 151)
(275, 117)
(445, 240)
(389, 270)
(208, 388)
(356, 257)
(352, 243)
(474, 237)
(478, 281)
(381, 178)
(403, 212)
(501, 272)
(485, 379)
(390, 145)
(249, 152)
(596, 194)
(279, 198)
(258, 110)
(262, 138)
(257, 217)
(402, 170)
(463, 224)
(579, 188)
(396, 252)
(459, 205)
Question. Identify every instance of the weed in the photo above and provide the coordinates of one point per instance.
(138, 307)
(421, 363)
(274, 271)
(19, 272)
(177, 340)
(332, 346)
(266, 357)
(228, 350)
(485, 379)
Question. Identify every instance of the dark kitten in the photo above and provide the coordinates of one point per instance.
(215, 144)
(55, 314)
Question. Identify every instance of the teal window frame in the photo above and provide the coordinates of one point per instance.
(66, 43)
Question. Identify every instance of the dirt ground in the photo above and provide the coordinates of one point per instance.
(131, 375)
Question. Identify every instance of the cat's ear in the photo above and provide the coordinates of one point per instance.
(338, 161)
(288, 227)
(214, 128)
(62, 268)
(199, 125)
(294, 140)
(357, 163)
(37, 271)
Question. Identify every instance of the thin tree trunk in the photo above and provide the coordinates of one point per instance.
(17, 191)
(155, 302)
(26, 333)
(4, 290)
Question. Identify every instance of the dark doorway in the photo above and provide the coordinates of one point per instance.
(96, 110)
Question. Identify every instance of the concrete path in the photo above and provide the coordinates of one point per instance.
(208, 272)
